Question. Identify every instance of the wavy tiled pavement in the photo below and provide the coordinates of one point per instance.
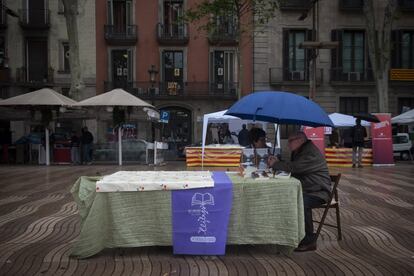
(39, 223)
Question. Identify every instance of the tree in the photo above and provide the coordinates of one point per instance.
(248, 14)
(71, 16)
(379, 44)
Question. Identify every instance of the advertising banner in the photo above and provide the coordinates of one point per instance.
(317, 136)
(200, 218)
(382, 140)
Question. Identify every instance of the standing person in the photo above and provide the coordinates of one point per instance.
(86, 141)
(74, 148)
(309, 166)
(358, 133)
(243, 136)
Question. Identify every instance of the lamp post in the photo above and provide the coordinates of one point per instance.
(152, 75)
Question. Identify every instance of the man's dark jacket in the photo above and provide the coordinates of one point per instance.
(309, 166)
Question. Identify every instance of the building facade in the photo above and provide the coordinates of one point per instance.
(34, 53)
(143, 47)
(344, 78)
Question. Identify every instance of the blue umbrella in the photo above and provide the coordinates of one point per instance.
(281, 108)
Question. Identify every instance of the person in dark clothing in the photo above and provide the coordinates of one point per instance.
(309, 166)
(86, 143)
(257, 137)
(358, 134)
(74, 148)
(243, 136)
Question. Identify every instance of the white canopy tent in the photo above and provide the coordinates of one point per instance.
(343, 120)
(41, 97)
(119, 97)
(405, 118)
(235, 122)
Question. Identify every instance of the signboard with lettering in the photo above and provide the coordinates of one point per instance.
(382, 140)
(317, 136)
(164, 117)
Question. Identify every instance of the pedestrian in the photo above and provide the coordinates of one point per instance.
(308, 165)
(74, 148)
(86, 142)
(243, 136)
(358, 133)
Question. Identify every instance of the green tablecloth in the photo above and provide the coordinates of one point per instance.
(263, 212)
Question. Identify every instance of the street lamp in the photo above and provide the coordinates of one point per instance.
(152, 74)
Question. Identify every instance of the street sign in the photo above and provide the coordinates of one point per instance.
(164, 117)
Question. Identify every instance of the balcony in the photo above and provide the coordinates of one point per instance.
(351, 5)
(121, 35)
(34, 19)
(22, 79)
(172, 34)
(224, 35)
(174, 90)
(283, 76)
(406, 5)
(294, 5)
(365, 77)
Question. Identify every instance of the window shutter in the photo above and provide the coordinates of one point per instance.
(308, 52)
(336, 54)
(285, 68)
(395, 49)
(110, 12)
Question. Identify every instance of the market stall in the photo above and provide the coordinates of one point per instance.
(342, 156)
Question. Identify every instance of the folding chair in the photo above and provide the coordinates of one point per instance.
(333, 203)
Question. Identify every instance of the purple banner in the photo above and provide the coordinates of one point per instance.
(200, 218)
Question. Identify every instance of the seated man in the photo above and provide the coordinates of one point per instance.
(309, 166)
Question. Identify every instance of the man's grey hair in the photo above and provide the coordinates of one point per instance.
(300, 134)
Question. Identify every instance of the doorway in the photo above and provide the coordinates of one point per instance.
(178, 131)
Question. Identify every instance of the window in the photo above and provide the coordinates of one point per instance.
(353, 105)
(403, 49)
(64, 60)
(173, 10)
(222, 70)
(405, 104)
(173, 67)
(353, 52)
(119, 14)
(295, 63)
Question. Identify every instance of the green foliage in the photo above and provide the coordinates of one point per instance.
(257, 13)
(118, 116)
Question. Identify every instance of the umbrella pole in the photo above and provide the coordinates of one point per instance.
(120, 146)
(47, 146)
(274, 144)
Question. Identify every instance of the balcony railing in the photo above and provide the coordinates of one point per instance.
(23, 79)
(358, 77)
(121, 35)
(351, 5)
(224, 35)
(35, 19)
(172, 90)
(284, 76)
(406, 5)
(172, 34)
(286, 5)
